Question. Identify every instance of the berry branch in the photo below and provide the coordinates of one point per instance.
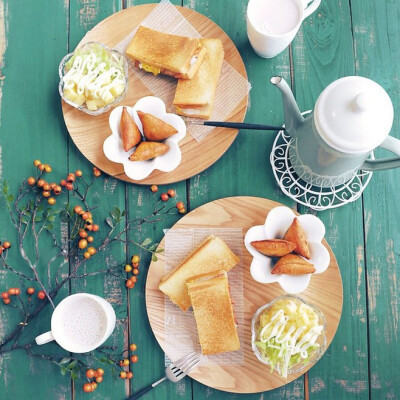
(33, 215)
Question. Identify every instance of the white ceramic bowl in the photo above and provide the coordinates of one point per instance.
(276, 224)
(138, 170)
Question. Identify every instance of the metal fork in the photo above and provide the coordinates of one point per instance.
(174, 372)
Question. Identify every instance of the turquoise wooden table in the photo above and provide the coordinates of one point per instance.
(344, 37)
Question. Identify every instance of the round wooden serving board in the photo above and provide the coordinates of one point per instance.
(325, 291)
(89, 132)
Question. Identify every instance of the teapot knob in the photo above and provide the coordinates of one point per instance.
(361, 102)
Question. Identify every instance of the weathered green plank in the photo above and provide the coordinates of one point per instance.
(244, 169)
(376, 38)
(322, 53)
(107, 194)
(31, 127)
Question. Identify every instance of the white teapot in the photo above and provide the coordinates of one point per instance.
(352, 117)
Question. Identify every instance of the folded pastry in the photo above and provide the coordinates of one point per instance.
(212, 307)
(162, 53)
(292, 264)
(273, 247)
(296, 235)
(155, 129)
(195, 97)
(211, 255)
(148, 150)
(130, 133)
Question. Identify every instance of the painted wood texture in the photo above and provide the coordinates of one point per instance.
(344, 37)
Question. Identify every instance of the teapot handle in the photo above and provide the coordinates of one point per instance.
(309, 9)
(392, 144)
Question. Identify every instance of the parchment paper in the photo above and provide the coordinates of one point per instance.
(180, 327)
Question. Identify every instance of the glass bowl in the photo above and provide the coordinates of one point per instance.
(321, 340)
(62, 71)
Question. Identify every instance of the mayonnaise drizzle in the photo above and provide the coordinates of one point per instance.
(281, 323)
(93, 80)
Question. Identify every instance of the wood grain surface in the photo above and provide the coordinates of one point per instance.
(343, 37)
(325, 291)
(89, 133)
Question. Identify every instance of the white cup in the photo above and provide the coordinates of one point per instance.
(267, 44)
(80, 323)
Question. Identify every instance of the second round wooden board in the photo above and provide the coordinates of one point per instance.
(89, 132)
(325, 291)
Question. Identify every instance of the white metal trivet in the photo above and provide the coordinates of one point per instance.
(315, 197)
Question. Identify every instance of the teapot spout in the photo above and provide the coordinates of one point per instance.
(292, 115)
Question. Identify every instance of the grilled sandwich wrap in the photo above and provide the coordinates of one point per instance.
(211, 255)
(213, 311)
(162, 53)
(195, 97)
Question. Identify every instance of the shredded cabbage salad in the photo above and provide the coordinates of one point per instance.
(287, 334)
(95, 76)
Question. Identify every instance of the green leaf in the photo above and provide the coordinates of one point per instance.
(37, 218)
(49, 227)
(160, 251)
(51, 218)
(110, 222)
(114, 215)
(72, 365)
(153, 247)
(74, 375)
(65, 360)
(154, 257)
(5, 187)
(146, 241)
(25, 219)
(10, 198)
(40, 207)
(117, 211)
(64, 371)
(123, 213)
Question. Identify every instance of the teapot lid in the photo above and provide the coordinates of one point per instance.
(353, 115)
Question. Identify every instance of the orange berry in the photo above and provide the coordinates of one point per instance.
(96, 172)
(69, 186)
(5, 295)
(82, 233)
(6, 245)
(85, 216)
(52, 185)
(95, 228)
(31, 180)
(179, 205)
(125, 362)
(135, 265)
(89, 239)
(164, 197)
(78, 173)
(134, 358)
(17, 291)
(41, 167)
(30, 290)
(41, 295)
(36, 163)
(47, 168)
(182, 210)
(100, 371)
(63, 182)
(87, 387)
(46, 194)
(92, 251)
(77, 209)
(71, 178)
(122, 375)
(99, 379)
(94, 385)
(135, 271)
(133, 347)
(11, 291)
(57, 190)
(154, 188)
(86, 254)
(171, 193)
(129, 284)
(133, 279)
(41, 182)
(51, 201)
(46, 187)
(128, 268)
(82, 244)
(90, 373)
(129, 375)
(6, 301)
(135, 259)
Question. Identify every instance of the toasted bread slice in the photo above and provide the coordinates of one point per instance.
(213, 311)
(159, 52)
(212, 254)
(195, 97)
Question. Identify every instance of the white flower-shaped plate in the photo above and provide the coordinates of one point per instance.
(276, 224)
(138, 170)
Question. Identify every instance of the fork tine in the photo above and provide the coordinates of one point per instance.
(192, 365)
(180, 363)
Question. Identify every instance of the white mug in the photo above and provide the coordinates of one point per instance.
(80, 323)
(266, 42)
